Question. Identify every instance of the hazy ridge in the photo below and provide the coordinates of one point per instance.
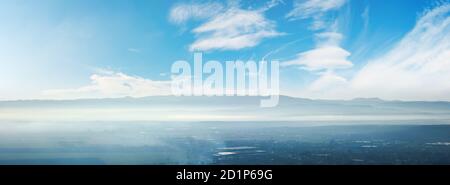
(221, 109)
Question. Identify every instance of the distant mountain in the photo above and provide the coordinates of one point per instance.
(244, 108)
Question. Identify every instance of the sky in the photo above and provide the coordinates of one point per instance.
(327, 49)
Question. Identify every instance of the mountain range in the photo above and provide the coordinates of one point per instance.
(233, 108)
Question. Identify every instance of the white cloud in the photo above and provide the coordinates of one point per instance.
(230, 28)
(316, 10)
(112, 85)
(416, 68)
(313, 8)
(328, 55)
(234, 30)
(181, 13)
(322, 58)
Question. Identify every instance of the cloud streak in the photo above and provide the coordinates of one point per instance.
(181, 13)
(233, 30)
(230, 28)
(112, 85)
(313, 8)
(322, 58)
(416, 68)
(327, 56)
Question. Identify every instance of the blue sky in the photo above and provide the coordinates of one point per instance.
(332, 49)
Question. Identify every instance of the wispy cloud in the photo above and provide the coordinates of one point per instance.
(231, 28)
(181, 13)
(313, 8)
(416, 68)
(328, 55)
(112, 85)
(322, 58)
